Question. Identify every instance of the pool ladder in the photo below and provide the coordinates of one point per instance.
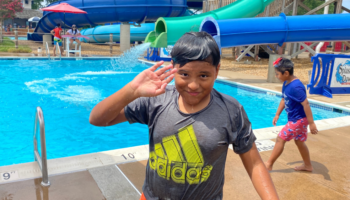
(42, 161)
(47, 50)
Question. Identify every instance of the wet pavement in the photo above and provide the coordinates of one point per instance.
(329, 180)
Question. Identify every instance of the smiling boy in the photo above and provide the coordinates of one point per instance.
(191, 125)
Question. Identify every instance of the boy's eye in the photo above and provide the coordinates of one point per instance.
(184, 74)
(204, 76)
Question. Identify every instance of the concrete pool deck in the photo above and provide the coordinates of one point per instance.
(329, 180)
(119, 174)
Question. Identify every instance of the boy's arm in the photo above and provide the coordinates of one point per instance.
(258, 174)
(279, 111)
(309, 116)
(148, 83)
(52, 32)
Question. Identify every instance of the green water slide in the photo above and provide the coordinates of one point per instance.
(169, 29)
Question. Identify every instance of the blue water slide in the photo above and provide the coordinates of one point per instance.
(109, 11)
(100, 34)
(280, 29)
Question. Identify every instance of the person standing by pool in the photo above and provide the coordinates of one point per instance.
(191, 125)
(74, 32)
(57, 39)
(294, 101)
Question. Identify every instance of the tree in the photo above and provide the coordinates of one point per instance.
(313, 4)
(42, 3)
(8, 9)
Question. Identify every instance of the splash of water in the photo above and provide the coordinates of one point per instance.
(130, 58)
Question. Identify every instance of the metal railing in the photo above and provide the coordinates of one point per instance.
(42, 161)
(59, 51)
(47, 50)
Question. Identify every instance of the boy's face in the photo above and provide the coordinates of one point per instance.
(282, 77)
(195, 80)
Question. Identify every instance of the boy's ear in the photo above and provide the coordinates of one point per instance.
(217, 70)
(286, 73)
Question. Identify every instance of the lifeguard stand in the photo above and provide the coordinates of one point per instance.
(75, 51)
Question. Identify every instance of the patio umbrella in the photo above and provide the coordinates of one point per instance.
(34, 19)
(65, 8)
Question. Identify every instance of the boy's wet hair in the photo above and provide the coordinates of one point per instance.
(284, 65)
(58, 24)
(196, 46)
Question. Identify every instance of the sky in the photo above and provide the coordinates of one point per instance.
(346, 4)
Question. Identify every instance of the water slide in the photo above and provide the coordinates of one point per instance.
(168, 30)
(280, 29)
(100, 34)
(109, 11)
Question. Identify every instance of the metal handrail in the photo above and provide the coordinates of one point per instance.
(47, 50)
(42, 161)
(59, 50)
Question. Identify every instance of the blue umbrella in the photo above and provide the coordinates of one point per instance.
(34, 19)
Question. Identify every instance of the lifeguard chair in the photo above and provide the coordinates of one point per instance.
(75, 51)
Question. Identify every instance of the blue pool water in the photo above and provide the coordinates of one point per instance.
(68, 90)
(19, 38)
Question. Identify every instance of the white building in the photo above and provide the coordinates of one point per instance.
(27, 4)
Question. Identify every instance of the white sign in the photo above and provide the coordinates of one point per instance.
(341, 73)
(264, 145)
(8, 176)
(165, 52)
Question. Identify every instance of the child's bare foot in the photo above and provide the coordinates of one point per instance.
(303, 168)
(268, 166)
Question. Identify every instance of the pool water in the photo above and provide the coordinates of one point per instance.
(68, 90)
(19, 38)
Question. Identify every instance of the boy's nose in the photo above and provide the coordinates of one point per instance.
(193, 85)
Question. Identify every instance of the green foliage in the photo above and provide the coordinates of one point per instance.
(41, 3)
(313, 4)
(9, 46)
(8, 9)
(21, 49)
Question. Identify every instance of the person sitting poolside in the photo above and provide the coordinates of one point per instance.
(74, 32)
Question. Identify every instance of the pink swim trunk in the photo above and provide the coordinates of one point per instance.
(296, 130)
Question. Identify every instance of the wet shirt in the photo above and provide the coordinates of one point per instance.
(188, 151)
(294, 94)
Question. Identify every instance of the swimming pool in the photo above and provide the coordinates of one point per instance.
(68, 90)
(19, 38)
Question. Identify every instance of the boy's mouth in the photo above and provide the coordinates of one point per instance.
(193, 93)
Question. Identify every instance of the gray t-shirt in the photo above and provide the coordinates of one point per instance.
(188, 151)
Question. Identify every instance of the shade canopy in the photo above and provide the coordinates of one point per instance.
(65, 8)
(34, 19)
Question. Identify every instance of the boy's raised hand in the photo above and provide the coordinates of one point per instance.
(150, 82)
